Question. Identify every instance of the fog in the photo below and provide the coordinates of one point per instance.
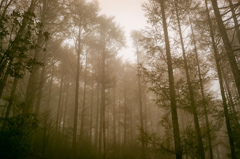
(136, 79)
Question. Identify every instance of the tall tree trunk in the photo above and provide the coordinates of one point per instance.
(114, 120)
(5, 77)
(125, 112)
(100, 138)
(12, 96)
(202, 93)
(234, 16)
(176, 134)
(84, 101)
(97, 118)
(140, 106)
(229, 93)
(59, 102)
(64, 96)
(46, 134)
(103, 97)
(190, 89)
(225, 106)
(33, 82)
(50, 87)
(41, 84)
(91, 111)
(19, 34)
(228, 47)
(11, 100)
(74, 140)
(66, 104)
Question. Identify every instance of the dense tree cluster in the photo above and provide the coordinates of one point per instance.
(64, 92)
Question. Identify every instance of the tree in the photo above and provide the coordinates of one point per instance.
(190, 88)
(227, 45)
(83, 16)
(111, 39)
(176, 133)
(225, 106)
(137, 37)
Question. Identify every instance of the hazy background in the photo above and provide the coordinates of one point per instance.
(128, 14)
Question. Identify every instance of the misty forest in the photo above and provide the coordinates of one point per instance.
(65, 93)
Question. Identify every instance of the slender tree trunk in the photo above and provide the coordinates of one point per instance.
(103, 97)
(228, 47)
(11, 100)
(145, 110)
(91, 112)
(190, 89)
(50, 87)
(64, 96)
(33, 83)
(114, 120)
(225, 106)
(4, 80)
(125, 113)
(229, 94)
(5, 8)
(203, 94)
(1, 4)
(97, 118)
(46, 134)
(176, 134)
(140, 106)
(41, 84)
(40, 91)
(234, 16)
(12, 96)
(76, 98)
(100, 138)
(65, 105)
(59, 102)
(3, 64)
(131, 122)
(83, 102)
(19, 34)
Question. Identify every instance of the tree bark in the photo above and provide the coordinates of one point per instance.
(50, 87)
(33, 82)
(225, 106)
(114, 120)
(103, 96)
(176, 134)
(235, 20)
(59, 102)
(91, 112)
(140, 106)
(11, 100)
(203, 94)
(190, 89)
(227, 44)
(40, 88)
(76, 98)
(97, 119)
(84, 101)
(65, 105)
(19, 34)
(125, 112)
(4, 80)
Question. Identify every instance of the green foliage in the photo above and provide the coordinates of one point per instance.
(19, 33)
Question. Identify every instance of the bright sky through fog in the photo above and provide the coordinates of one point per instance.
(128, 14)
